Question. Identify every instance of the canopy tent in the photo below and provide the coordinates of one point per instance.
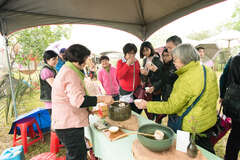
(138, 17)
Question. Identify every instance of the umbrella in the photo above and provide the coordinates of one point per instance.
(58, 45)
(211, 49)
(225, 39)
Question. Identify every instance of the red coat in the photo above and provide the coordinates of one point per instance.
(125, 75)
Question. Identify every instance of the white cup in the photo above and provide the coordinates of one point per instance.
(147, 89)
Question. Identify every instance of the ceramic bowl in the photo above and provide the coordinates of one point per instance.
(113, 129)
(152, 143)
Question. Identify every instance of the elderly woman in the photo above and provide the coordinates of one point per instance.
(186, 89)
(71, 101)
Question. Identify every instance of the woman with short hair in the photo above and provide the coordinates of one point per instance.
(189, 85)
(47, 75)
(128, 75)
(71, 103)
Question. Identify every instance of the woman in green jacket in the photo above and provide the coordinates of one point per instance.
(186, 89)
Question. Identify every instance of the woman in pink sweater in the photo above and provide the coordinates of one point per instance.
(108, 77)
(70, 103)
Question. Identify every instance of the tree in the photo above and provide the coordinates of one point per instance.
(26, 46)
(200, 35)
(235, 19)
(34, 41)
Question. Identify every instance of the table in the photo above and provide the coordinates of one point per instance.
(120, 149)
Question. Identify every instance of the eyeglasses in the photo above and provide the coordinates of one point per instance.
(174, 59)
(167, 55)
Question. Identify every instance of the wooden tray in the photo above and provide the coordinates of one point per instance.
(114, 136)
(130, 124)
(142, 153)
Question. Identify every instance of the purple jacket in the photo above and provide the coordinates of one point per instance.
(109, 81)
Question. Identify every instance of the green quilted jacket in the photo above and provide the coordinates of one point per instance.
(186, 89)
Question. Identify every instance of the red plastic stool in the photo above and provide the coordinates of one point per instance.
(25, 125)
(61, 158)
(45, 156)
(55, 143)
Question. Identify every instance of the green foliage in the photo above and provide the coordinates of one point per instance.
(235, 19)
(34, 41)
(200, 35)
(20, 89)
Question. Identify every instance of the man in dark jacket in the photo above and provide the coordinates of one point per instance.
(169, 76)
(169, 67)
(230, 99)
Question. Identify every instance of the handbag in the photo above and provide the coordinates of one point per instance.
(231, 102)
(175, 121)
(140, 93)
(222, 126)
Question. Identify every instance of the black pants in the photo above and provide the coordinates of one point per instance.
(115, 97)
(73, 140)
(205, 142)
(233, 143)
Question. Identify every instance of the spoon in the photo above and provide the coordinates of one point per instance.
(158, 135)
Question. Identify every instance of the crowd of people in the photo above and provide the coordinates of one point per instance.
(176, 83)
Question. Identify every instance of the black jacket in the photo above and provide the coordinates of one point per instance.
(155, 77)
(45, 88)
(231, 102)
(169, 77)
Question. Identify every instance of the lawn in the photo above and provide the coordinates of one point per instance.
(31, 102)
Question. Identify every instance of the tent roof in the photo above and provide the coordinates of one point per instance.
(139, 17)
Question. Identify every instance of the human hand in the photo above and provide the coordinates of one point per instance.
(108, 100)
(151, 67)
(220, 101)
(140, 103)
(131, 59)
(105, 99)
(150, 89)
(154, 68)
(144, 72)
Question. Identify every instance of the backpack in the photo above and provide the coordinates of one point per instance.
(231, 101)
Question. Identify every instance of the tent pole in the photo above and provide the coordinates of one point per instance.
(9, 67)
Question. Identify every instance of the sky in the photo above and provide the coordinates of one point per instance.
(99, 39)
(204, 19)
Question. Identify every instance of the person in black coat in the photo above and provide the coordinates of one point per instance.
(230, 99)
(169, 75)
(151, 73)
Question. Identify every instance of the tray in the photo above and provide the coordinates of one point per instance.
(114, 136)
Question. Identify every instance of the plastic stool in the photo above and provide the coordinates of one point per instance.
(45, 156)
(26, 126)
(55, 143)
(13, 153)
(61, 158)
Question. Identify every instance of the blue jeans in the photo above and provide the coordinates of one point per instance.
(74, 142)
